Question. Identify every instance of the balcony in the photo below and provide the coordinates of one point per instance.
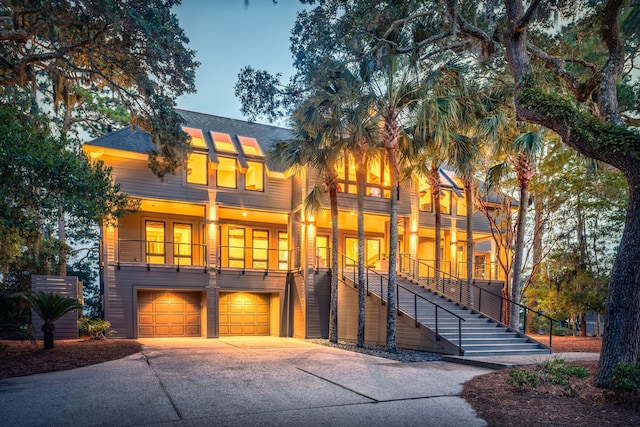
(150, 253)
(245, 258)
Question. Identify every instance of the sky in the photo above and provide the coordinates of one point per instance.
(228, 35)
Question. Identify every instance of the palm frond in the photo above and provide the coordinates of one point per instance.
(313, 202)
(496, 173)
(51, 307)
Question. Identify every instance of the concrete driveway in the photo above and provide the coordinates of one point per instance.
(242, 382)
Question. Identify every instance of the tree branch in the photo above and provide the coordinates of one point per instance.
(524, 21)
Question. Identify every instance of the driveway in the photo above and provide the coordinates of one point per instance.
(242, 382)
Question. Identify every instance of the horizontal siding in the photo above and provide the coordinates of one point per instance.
(318, 302)
(277, 196)
(234, 280)
(136, 179)
(68, 286)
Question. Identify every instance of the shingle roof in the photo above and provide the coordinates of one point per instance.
(139, 141)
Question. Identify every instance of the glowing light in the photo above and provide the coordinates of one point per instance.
(244, 213)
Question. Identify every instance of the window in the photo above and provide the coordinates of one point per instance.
(236, 247)
(254, 178)
(182, 244)
(445, 202)
(260, 249)
(154, 237)
(322, 251)
(462, 206)
(378, 177)
(425, 196)
(283, 250)
(346, 171)
(197, 140)
(250, 146)
(226, 173)
(197, 168)
(222, 143)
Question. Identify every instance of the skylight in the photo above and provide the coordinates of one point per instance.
(197, 140)
(250, 146)
(223, 143)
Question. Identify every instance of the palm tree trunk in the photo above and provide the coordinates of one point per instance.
(468, 195)
(360, 181)
(48, 329)
(434, 183)
(516, 283)
(393, 252)
(333, 311)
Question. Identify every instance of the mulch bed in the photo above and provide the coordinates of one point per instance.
(21, 358)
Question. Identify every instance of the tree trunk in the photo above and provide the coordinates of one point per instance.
(360, 181)
(393, 251)
(434, 183)
(62, 253)
(48, 329)
(333, 311)
(468, 195)
(518, 255)
(622, 307)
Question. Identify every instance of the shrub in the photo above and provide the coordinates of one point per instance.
(625, 385)
(522, 380)
(95, 328)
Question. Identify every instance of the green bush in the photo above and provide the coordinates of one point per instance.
(95, 328)
(625, 385)
(522, 380)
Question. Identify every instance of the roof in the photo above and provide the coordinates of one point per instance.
(139, 141)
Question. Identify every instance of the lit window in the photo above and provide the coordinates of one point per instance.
(182, 244)
(154, 236)
(346, 170)
(322, 251)
(197, 168)
(222, 142)
(462, 206)
(254, 178)
(445, 202)
(250, 146)
(283, 250)
(197, 140)
(236, 247)
(226, 174)
(424, 192)
(378, 178)
(260, 248)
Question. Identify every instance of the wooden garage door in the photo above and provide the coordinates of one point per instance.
(244, 313)
(168, 314)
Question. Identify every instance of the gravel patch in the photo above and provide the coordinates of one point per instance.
(401, 355)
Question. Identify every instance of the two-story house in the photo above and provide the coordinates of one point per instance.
(223, 246)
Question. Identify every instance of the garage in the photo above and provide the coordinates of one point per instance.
(244, 314)
(169, 314)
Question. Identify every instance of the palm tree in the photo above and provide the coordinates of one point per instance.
(521, 156)
(50, 308)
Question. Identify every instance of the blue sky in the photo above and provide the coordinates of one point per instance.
(227, 35)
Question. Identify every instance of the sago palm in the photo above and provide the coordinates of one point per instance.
(50, 308)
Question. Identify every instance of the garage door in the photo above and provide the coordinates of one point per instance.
(168, 314)
(243, 313)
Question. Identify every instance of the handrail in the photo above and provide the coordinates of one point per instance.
(459, 292)
(151, 252)
(269, 259)
(342, 267)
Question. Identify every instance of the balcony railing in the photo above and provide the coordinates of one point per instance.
(489, 271)
(161, 253)
(257, 258)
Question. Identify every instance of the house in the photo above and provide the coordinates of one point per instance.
(223, 246)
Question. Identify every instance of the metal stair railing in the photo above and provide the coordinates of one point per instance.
(453, 288)
(348, 268)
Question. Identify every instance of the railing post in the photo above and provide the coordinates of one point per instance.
(524, 322)
(550, 330)
(501, 308)
(437, 333)
(459, 337)
(415, 308)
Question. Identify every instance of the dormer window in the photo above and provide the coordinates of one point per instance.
(250, 146)
(197, 160)
(222, 142)
(226, 174)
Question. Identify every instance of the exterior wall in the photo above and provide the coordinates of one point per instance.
(121, 304)
(318, 302)
(276, 195)
(67, 286)
(136, 179)
(407, 335)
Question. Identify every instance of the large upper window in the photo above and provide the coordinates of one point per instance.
(182, 244)
(197, 168)
(347, 176)
(445, 202)
(254, 178)
(260, 248)
(424, 193)
(226, 174)
(461, 209)
(377, 177)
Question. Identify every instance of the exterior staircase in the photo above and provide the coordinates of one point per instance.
(474, 333)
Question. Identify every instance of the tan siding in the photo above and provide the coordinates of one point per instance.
(277, 196)
(135, 178)
(298, 307)
(229, 280)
